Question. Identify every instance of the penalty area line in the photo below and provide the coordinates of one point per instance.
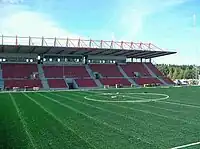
(186, 145)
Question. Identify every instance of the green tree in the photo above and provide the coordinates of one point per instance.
(190, 74)
(185, 74)
(171, 71)
(181, 73)
(178, 71)
(175, 74)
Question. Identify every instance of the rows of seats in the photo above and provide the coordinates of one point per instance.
(142, 81)
(85, 83)
(57, 83)
(114, 81)
(131, 68)
(168, 81)
(18, 70)
(159, 74)
(22, 83)
(106, 70)
(154, 69)
(109, 72)
(67, 71)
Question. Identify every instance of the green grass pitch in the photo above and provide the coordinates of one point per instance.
(146, 118)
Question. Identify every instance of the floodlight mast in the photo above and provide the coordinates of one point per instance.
(194, 25)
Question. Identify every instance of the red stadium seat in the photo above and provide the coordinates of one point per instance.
(154, 69)
(106, 70)
(114, 81)
(18, 70)
(67, 71)
(168, 81)
(85, 83)
(142, 81)
(57, 83)
(130, 68)
(110, 73)
(22, 83)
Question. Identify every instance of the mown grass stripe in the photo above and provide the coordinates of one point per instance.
(102, 109)
(97, 107)
(165, 109)
(152, 113)
(181, 104)
(60, 121)
(30, 137)
(76, 94)
(95, 119)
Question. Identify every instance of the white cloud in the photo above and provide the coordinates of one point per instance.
(134, 14)
(11, 1)
(133, 20)
(19, 20)
(131, 23)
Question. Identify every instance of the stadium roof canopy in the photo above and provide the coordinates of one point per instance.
(61, 46)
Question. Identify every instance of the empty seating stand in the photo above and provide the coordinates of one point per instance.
(142, 81)
(114, 81)
(65, 71)
(168, 81)
(53, 71)
(106, 70)
(18, 70)
(85, 83)
(20, 75)
(22, 83)
(154, 69)
(57, 83)
(130, 68)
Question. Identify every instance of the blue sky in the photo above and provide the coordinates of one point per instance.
(166, 23)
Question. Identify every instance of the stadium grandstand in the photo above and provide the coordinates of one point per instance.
(108, 74)
(88, 94)
(60, 64)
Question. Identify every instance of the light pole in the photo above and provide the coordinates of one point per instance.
(194, 25)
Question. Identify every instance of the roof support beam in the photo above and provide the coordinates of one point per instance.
(60, 52)
(2, 48)
(115, 51)
(150, 54)
(142, 53)
(72, 52)
(147, 57)
(18, 49)
(47, 50)
(33, 49)
(161, 54)
(88, 52)
(139, 53)
(132, 53)
(98, 53)
(120, 53)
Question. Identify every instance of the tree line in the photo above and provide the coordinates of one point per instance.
(179, 71)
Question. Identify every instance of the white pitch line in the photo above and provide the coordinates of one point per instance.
(155, 107)
(94, 119)
(151, 113)
(131, 118)
(97, 107)
(180, 104)
(59, 120)
(23, 122)
(186, 145)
